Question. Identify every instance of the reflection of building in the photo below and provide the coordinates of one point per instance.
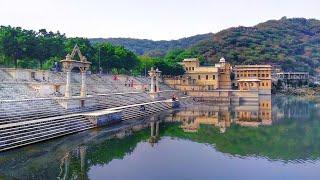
(154, 132)
(292, 108)
(223, 116)
(210, 115)
(254, 77)
(250, 115)
(66, 172)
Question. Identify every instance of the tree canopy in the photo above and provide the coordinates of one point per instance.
(41, 49)
(31, 49)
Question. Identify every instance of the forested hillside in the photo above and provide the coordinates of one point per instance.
(154, 48)
(294, 44)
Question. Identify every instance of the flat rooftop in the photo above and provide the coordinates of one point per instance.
(190, 60)
(253, 66)
(209, 69)
(304, 73)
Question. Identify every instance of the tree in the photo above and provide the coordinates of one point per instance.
(172, 69)
(113, 57)
(12, 43)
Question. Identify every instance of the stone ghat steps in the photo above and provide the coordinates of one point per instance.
(16, 128)
(16, 91)
(97, 84)
(27, 111)
(138, 112)
(14, 112)
(28, 132)
(4, 76)
(187, 101)
(21, 134)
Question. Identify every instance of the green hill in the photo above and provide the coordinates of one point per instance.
(154, 48)
(294, 44)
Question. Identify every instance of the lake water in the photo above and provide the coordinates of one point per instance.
(277, 139)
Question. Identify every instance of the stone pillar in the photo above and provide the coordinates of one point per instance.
(83, 92)
(82, 158)
(152, 85)
(68, 84)
(152, 128)
(158, 73)
(157, 82)
(157, 128)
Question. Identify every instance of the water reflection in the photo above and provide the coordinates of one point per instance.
(251, 114)
(281, 128)
(70, 161)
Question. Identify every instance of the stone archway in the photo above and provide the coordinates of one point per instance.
(68, 64)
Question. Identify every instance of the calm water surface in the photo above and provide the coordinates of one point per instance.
(278, 138)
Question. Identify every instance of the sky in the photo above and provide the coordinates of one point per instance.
(148, 19)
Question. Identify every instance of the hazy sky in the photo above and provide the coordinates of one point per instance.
(151, 19)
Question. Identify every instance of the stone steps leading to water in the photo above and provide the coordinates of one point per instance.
(21, 134)
(12, 112)
(36, 127)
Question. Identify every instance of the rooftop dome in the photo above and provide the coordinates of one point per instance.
(222, 60)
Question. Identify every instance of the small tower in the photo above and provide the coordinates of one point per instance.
(222, 61)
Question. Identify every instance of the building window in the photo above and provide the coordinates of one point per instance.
(214, 76)
(262, 84)
(207, 77)
(262, 75)
(192, 68)
(266, 84)
(199, 77)
(267, 75)
(186, 69)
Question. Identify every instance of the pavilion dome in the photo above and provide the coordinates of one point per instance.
(222, 60)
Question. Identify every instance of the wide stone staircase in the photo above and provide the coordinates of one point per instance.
(143, 110)
(25, 122)
(11, 89)
(20, 134)
(25, 110)
(4, 76)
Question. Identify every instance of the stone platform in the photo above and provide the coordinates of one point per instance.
(104, 117)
